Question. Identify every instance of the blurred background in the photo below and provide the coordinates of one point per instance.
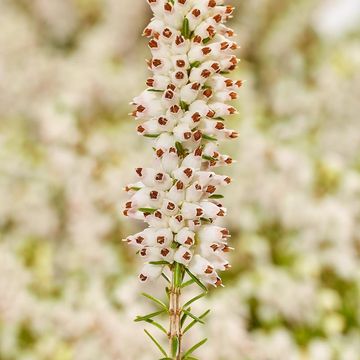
(68, 287)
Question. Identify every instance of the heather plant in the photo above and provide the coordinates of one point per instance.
(184, 112)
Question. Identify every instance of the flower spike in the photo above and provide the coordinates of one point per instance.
(183, 111)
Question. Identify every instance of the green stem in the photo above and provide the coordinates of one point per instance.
(175, 333)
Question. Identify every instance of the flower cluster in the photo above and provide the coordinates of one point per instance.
(183, 110)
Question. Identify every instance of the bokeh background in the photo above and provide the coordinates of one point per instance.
(68, 287)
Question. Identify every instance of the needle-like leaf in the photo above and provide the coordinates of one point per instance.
(166, 277)
(193, 316)
(194, 299)
(194, 322)
(156, 324)
(160, 262)
(187, 283)
(196, 279)
(155, 300)
(149, 316)
(156, 343)
(193, 348)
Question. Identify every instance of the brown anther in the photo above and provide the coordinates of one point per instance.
(227, 266)
(229, 82)
(197, 135)
(143, 252)
(140, 129)
(229, 9)
(158, 214)
(160, 239)
(171, 87)
(126, 212)
(195, 86)
(179, 185)
(167, 33)
(224, 45)
(210, 114)
(205, 73)
(208, 93)
(188, 172)
(211, 31)
(209, 270)
(234, 46)
(159, 153)
(231, 110)
(147, 32)
(179, 75)
(170, 206)
(198, 151)
(156, 62)
(150, 82)
(139, 171)
(179, 40)
(199, 212)
(189, 241)
(229, 160)
(217, 18)
(179, 218)
(196, 117)
(226, 249)
(175, 109)
(197, 39)
(128, 205)
(180, 63)
(182, 2)
(169, 94)
(142, 277)
(215, 247)
(196, 12)
(162, 121)
(172, 150)
(233, 95)
(216, 66)
(239, 83)
(139, 240)
(159, 177)
(154, 195)
(196, 222)
(219, 126)
(168, 7)
(218, 282)
(212, 3)
(187, 256)
(140, 109)
(187, 135)
(221, 213)
(198, 187)
(227, 180)
(225, 232)
(206, 50)
(153, 44)
(234, 60)
(230, 33)
(234, 135)
(210, 189)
